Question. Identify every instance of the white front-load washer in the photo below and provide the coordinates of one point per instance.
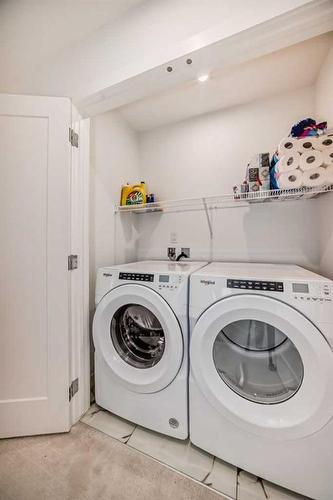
(140, 333)
(261, 377)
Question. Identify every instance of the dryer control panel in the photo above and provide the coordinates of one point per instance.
(314, 292)
(270, 286)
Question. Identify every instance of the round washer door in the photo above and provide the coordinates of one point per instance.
(263, 365)
(137, 334)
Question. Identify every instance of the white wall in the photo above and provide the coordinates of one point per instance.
(207, 155)
(114, 161)
(202, 156)
(324, 111)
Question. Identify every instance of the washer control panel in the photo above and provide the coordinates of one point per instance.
(136, 276)
(270, 286)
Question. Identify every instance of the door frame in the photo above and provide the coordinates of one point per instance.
(79, 278)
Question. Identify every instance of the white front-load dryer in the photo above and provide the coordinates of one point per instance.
(140, 333)
(261, 377)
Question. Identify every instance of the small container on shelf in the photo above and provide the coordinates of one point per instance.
(240, 191)
(150, 198)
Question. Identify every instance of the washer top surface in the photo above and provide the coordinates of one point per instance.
(251, 270)
(161, 266)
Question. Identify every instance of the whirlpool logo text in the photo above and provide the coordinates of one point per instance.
(207, 282)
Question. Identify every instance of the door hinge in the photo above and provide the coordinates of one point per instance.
(73, 138)
(72, 262)
(73, 388)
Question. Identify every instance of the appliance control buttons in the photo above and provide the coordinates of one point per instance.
(167, 287)
(271, 286)
(136, 277)
(312, 299)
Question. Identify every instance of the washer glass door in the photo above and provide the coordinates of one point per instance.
(257, 361)
(137, 335)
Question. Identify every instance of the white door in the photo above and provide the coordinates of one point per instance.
(138, 335)
(34, 244)
(263, 365)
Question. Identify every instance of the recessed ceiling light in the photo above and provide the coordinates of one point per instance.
(203, 78)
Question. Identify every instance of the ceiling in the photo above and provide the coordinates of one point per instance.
(86, 49)
(33, 31)
(285, 70)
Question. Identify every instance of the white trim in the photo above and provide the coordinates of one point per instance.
(79, 278)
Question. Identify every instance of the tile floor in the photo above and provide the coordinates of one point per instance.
(188, 459)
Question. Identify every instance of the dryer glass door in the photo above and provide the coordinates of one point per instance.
(257, 361)
(263, 365)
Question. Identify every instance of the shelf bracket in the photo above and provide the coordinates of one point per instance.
(209, 221)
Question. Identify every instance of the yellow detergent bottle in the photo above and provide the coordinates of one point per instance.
(133, 194)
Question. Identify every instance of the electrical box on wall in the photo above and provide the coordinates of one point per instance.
(173, 237)
(174, 252)
(186, 252)
(171, 253)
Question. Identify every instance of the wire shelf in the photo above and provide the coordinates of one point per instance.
(224, 200)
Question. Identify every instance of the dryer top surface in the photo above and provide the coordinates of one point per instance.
(257, 271)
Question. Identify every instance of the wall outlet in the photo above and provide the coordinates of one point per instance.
(171, 253)
(186, 251)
